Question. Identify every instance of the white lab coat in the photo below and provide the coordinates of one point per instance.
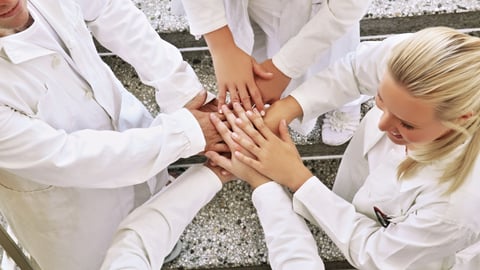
(429, 230)
(73, 141)
(289, 241)
(150, 232)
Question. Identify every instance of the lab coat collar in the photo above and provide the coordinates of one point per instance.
(55, 16)
(372, 133)
(18, 51)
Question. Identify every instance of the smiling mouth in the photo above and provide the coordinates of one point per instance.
(9, 12)
(396, 135)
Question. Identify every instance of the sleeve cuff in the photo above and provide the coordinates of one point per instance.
(263, 194)
(188, 124)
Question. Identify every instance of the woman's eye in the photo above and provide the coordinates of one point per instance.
(407, 126)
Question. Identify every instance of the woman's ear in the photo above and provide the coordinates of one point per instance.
(465, 117)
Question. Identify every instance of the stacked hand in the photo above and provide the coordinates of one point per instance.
(202, 112)
(257, 153)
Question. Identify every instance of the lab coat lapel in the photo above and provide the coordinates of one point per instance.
(372, 133)
(54, 13)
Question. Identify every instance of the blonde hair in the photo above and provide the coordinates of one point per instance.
(442, 67)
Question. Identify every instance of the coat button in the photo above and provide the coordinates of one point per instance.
(56, 61)
(89, 94)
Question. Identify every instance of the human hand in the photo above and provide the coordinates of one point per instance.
(241, 170)
(202, 112)
(275, 157)
(234, 70)
(286, 108)
(271, 88)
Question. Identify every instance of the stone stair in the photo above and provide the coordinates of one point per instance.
(226, 234)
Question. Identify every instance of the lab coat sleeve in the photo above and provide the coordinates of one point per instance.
(289, 241)
(469, 258)
(122, 28)
(205, 16)
(358, 73)
(149, 233)
(330, 23)
(88, 158)
(416, 241)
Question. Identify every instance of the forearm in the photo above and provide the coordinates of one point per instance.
(34, 150)
(335, 19)
(220, 41)
(148, 234)
(357, 73)
(289, 241)
(158, 63)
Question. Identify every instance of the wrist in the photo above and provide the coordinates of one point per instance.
(289, 108)
(258, 182)
(303, 176)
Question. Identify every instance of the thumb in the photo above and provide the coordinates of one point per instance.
(197, 101)
(261, 72)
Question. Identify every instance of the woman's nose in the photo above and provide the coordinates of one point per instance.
(387, 121)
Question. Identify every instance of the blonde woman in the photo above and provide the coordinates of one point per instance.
(407, 188)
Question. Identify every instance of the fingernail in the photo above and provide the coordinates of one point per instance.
(262, 113)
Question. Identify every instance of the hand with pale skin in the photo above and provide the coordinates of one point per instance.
(274, 156)
(235, 70)
(202, 112)
(272, 88)
(232, 164)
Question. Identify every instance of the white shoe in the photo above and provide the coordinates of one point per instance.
(340, 125)
(177, 249)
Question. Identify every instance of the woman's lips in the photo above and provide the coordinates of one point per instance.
(396, 135)
(11, 11)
